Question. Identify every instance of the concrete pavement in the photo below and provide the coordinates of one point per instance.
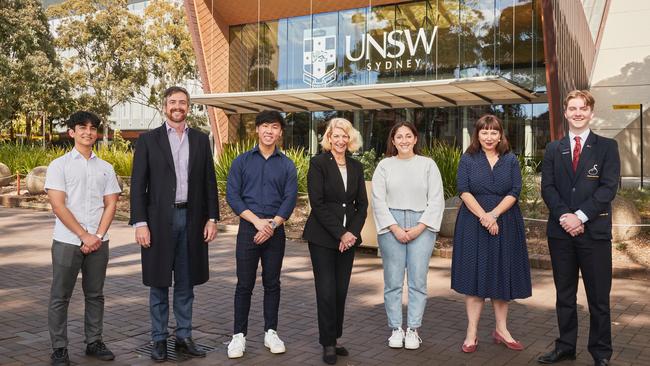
(25, 275)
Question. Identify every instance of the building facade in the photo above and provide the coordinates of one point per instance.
(438, 63)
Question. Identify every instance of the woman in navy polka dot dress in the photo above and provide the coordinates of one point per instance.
(490, 257)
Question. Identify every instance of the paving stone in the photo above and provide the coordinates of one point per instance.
(25, 278)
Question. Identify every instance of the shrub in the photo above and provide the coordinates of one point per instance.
(232, 150)
(122, 161)
(447, 158)
(301, 159)
(529, 189)
(224, 161)
(23, 158)
(369, 160)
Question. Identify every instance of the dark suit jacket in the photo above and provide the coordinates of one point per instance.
(590, 189)
(153, 192)
(329, 201)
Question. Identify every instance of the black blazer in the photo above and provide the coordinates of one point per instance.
(153, 192)
(591, 188)
(329, 201)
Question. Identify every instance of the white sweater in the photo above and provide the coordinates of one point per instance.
(407, 184)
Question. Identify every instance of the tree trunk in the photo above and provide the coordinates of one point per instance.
(28, 127)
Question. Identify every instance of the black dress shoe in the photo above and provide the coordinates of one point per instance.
(60, 357)
(187, 347)
(159, 351)
(342, 351)
(329, 355)
(601, 362)
(99, 350)
(556, 356)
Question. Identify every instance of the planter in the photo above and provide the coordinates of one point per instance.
(448, 225)
(369, 231)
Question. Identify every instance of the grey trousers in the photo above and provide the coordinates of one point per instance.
(67, 260)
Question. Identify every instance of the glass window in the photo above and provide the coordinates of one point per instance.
(351, 62)
(447, 41)
(247, 126)
(237, 60)
(296, 133)
(392, 43)
(477, 38)
(504, 40)
(541, 127)
(415, 28)
(250, 55)
(269, 59)
(319, 68)
(523, 44)
(539, 66)
(380, 24)
(298, 30)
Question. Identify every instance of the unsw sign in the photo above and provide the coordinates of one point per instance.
(319, 52)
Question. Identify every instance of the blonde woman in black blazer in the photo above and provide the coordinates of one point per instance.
(337, 195)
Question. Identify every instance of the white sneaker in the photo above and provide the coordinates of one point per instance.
(273, 342)
(412, 339)
(237, 346)
(396, 340)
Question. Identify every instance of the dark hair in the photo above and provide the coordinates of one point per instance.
(488, 122)
(269, 117)
(391, 150)
(173, 90)
(81, 118)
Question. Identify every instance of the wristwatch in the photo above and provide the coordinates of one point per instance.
(274, 224)
(100, 236)
(213, 220)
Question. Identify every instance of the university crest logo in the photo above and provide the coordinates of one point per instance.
(319, 57)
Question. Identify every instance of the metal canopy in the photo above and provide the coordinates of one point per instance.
(430, 93)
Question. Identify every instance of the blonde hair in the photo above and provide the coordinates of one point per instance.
(354, 144)
(584, 94)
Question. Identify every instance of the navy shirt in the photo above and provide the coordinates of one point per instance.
(267, 187)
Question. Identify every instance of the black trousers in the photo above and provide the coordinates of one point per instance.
(249, 254)
(332, 270)
(593, 258)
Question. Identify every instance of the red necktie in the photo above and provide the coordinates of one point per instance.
(576, 153)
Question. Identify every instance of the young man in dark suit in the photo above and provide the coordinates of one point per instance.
(174, 211)
(580, 177)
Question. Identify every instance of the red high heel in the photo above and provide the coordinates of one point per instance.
(516, 345)
(470, 349)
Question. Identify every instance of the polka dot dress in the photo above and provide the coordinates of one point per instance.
(485, 265)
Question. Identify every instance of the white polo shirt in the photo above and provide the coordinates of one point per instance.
(85, 182)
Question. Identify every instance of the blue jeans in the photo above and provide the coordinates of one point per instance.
(414, 258)
(183, 289)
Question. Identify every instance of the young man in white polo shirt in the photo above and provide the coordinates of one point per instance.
(83, 192)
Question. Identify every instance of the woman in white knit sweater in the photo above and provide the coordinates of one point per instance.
(408, 203)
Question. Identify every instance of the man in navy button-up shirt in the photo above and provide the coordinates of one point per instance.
(262, 189)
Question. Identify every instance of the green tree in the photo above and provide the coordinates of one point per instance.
(168, 50)
(32, 82)
(102, 46)
(169, 56)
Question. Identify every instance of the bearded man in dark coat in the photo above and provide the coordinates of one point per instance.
(174, 211)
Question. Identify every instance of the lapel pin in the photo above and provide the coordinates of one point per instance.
(593, 170)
